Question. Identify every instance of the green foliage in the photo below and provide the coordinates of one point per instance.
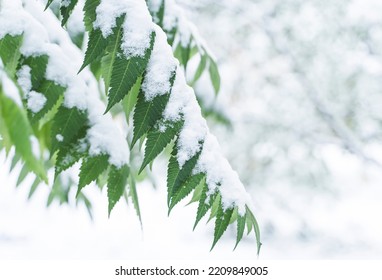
(176, 175)
(53, 93)
(91, 168)
(17, 130)
(66, 126)
(147, 113)
(125, 74)
(63, 130)
(221, 223)
(67, 10)
(10, 52)
(157, 140)
(116, 184)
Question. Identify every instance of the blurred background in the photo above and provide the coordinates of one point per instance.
(298, 116)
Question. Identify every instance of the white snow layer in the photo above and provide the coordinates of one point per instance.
(35, 101)
(137, 26)
(161, 66)
(182, 104)
(24, 78)
(39, 31)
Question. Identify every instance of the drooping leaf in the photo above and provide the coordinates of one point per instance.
(240, 229)
(200, 69)
(147, 113)
(91, 168)
(134, 196)
(22, 175)
(52, 93)
(255, 226)
(157, 140)
(186, 189)
(97, 45)
(48, 4)
(186, 54)
(205, 204)
(34, 186)
(10, 52)
(113, 50)
(19, 131)
(131, 98)
(221, 223)
(125, 73)
(67, 10)
(176, 175)
(38, 65)
(160, 14)
(66, 125)
(214, 75)
(116, 184)
(215, 207)
(71, 153)
(90, 13)
(197, 192)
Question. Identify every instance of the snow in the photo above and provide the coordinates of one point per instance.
(59, 138)
(154, 5)
(24, 78)
(221, 176)
(9, 88)
(65, 3)
(160, 68)
(35, 101)
(137, 26)
(10, 20)
(64, 62)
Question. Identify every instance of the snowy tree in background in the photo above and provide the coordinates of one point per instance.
(60, 105)
(303, 82)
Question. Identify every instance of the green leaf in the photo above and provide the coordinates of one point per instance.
(67, 10)
(90, 13)
(221, 223)
(215, 207)
(255, 225)
(67, 123)
(240, 229)
(48, 4)
(71, 153)
(10, 52)
(38, 65)
(204, 204)
(157, 140)
(107, 62)
(215, 76)
(197, 192)
(186, 189)
(177, 176)
(200, 69)
(185, 53)
(147, 113)
(134, 196)
(116, 184)
(33, 188)
(131, 98)
(160, 14)
(125, 73)
(97, 45)
(91, 168)
(52, 92)
(19, 132)
(22, 175)
(16, 158)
